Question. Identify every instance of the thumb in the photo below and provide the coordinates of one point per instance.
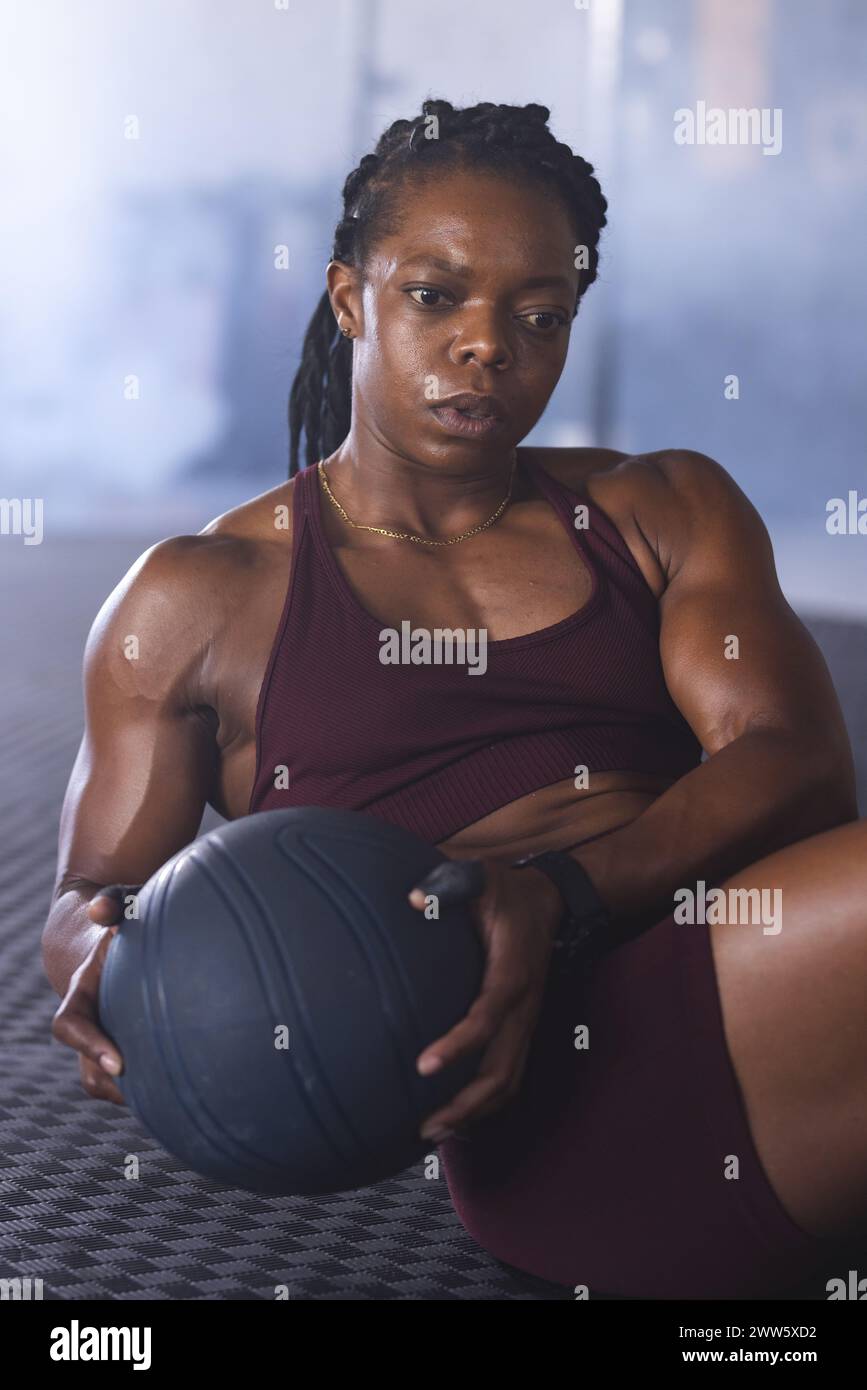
(108, 905)
(454, 881)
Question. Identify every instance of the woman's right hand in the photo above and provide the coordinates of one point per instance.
(76, 1022)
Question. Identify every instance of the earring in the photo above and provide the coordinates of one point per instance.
(347, 332)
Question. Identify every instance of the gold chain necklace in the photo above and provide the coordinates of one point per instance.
(408, 535)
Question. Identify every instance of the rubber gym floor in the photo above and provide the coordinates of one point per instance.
(67, 1214)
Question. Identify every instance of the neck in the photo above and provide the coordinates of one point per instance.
(378, 486)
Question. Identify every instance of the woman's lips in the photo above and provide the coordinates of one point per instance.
(460, 422)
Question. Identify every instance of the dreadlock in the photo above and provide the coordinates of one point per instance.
(499, 138)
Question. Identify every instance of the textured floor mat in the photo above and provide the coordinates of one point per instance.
(72, 1218)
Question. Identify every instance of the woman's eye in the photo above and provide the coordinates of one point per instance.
(552, 320)
(423, 290)
(545, 319)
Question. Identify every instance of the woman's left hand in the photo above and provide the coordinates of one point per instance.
(517, 912)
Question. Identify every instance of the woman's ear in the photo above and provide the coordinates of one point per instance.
(343, 291)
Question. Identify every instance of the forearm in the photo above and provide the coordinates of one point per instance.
(69, 934)
(764, 790)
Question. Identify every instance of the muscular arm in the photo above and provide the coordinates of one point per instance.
(779, 762)
(142, 774)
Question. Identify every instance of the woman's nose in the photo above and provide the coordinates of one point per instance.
(482, 338)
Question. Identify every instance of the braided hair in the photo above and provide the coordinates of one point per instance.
(502, 139)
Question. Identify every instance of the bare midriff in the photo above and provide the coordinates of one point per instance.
(557, 816)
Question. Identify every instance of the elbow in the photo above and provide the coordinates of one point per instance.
(829, 773)
(814, 778)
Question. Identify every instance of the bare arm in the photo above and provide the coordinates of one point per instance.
(779, 762)
(142, 774)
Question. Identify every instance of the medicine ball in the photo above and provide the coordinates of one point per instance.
(273, 995)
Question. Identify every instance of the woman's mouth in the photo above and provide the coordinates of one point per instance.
(465, 422)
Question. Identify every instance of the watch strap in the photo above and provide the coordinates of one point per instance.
(586, 925)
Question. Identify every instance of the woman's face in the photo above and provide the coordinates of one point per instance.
(474, 293)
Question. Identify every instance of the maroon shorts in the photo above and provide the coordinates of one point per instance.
(609, 1168)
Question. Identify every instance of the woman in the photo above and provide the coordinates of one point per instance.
(683, 1115)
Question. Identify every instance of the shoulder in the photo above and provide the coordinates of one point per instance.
(672, 472)
(259, 519)
(175, 600)
(706, 524)
(681, 505)
(573, 467)
(235, 546)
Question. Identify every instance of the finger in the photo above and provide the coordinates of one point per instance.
(455, 881)
(475, 1030)
(104, 910)
(498, 1080)
(465, 1106)
(99, 1086)
(75, 1029)
(108, 905)
(500, 990)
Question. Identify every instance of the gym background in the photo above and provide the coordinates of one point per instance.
(171, 177)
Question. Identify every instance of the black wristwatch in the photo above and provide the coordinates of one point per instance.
(586, 928)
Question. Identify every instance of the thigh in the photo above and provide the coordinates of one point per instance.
(793, 1008)
(611, 1168)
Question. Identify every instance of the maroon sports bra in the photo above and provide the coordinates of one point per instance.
(429, 745)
